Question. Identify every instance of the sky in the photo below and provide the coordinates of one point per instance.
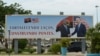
(53, 7)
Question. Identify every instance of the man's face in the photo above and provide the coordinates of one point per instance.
(66, 22)
(78, 20)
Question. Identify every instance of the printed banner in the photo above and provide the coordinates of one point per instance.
(47, 26)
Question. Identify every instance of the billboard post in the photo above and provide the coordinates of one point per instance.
(16, 46)
(16, 41)
(83, 39)
(39, 46)
(39, 40)
(9, 42)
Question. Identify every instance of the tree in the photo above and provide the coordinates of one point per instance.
(55, 48)
(93, 34)
(8, 10)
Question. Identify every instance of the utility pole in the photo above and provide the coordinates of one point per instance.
(97, 12)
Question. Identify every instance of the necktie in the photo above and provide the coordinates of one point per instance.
(78, 26)
(65, 27)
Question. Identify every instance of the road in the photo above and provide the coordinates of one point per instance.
(69, 54)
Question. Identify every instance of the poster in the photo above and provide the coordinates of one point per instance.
(47, 26)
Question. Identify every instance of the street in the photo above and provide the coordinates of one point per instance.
(69, 54)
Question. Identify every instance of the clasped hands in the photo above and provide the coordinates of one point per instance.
(69, 35)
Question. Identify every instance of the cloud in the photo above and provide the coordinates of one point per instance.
(55, 6)
(69, 7)
(60, 5)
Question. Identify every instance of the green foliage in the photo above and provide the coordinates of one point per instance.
(22, 43)
(93, 34)
(30, 50)
(55, 48)
(49, 50)
(9, 51)
(2, 50)
(65, 42)
(6, 50)
(42, 50)
(10, 9)
(1, 33)
(97, 27)
(20, 50)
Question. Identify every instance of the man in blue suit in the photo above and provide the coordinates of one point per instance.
(80, 28)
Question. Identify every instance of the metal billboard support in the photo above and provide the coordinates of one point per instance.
(9, 42)
(16, 46)
(39, 40)
(83, 45)
(38, 46)
(83, 40)
(16, 41)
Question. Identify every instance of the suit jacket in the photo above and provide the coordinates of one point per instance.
(81, 31)
(63, 30)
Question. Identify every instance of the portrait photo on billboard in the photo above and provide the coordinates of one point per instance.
(74, 26)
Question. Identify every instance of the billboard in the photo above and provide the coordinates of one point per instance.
(47, 26)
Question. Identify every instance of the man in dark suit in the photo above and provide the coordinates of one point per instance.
(64, 29)
(80, 28)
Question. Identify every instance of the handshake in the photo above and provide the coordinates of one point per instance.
(69, 35)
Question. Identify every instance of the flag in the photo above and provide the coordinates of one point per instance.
(35, 20)
(27, 20)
